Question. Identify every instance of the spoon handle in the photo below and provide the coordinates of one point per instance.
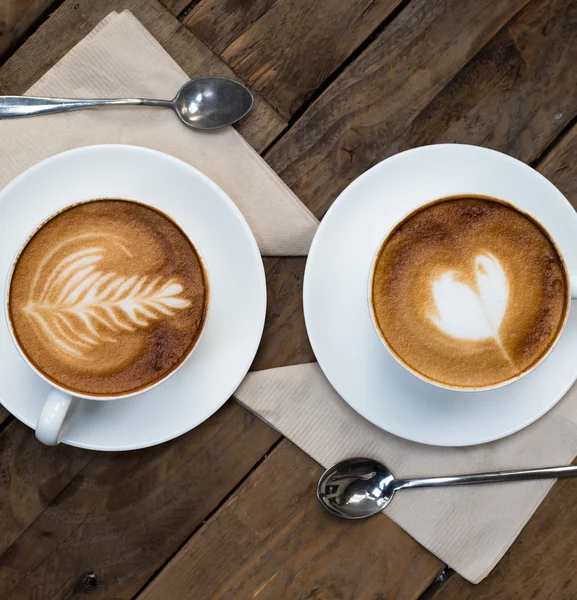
(498, 477)
(27, 106)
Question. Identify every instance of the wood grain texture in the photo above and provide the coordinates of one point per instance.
(560, 166)
(75, 18)
(516, 95)
(4, 414)
(285, 340)
(285, 49)
(16, 18)
(176, 6)
(31, 476)
(124, 514)
(273, 541)
(366, 108)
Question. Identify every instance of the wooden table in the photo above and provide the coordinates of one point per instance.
(228, 510)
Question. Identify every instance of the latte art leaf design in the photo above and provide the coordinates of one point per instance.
(81, 307)
(468, 314)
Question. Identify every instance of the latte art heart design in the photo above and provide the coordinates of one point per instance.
(81, 307)
(469, 292)
(467, 314)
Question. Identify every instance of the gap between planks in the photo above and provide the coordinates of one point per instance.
(548, 151)
(337, 72)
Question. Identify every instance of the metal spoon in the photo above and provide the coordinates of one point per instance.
(356, 488)
(203, 103)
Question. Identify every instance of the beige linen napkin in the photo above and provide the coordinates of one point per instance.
(119, 58)
(470, 528)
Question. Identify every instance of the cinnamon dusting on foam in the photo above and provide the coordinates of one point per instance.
(469, 292)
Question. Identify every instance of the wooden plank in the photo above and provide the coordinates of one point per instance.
(543, 560)
(4, 414)
(176, 6)
(560, 166)
(516, 95)
(16, 19)
(75, 18)
(285, 340)
(350, 127)
(31, 476)
(273, 541)
(286, 49)
(126, 513)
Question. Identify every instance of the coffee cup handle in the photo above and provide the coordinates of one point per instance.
(51, 421)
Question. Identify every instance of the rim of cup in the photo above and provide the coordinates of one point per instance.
(55, 384)
(422, 376)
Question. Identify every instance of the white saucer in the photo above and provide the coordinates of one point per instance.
(236, 273)
(337, 313)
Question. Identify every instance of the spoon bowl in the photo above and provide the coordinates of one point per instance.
(356, 488)
(212, 102)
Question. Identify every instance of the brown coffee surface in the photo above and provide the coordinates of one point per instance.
(108, 297)
(469, 292)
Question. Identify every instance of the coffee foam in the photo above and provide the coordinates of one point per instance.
(469, 292)
(108, 297)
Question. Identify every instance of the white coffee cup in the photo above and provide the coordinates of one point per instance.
(571, 293)
(60, 402)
